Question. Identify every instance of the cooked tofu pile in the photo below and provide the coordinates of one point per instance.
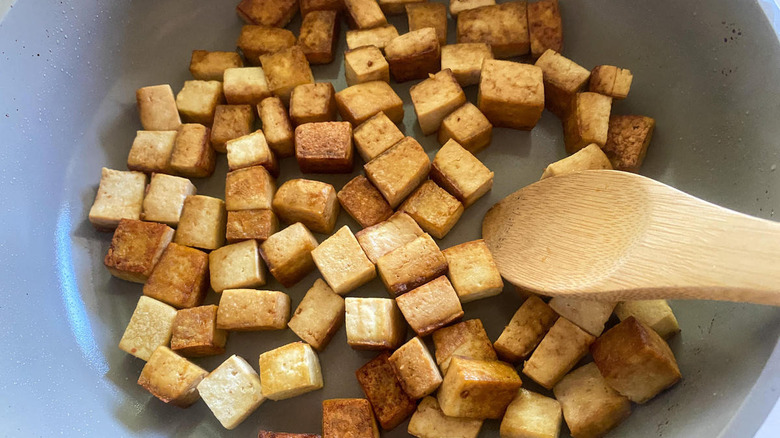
(260, 105)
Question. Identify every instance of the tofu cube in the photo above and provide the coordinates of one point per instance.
(288, 254)
(249, 188)
(479, 389)
(473, 271)
(544, 27)
(135, 249)
(590, 407)
(289, 371)
(251, 150)
(627, 141)
(195, 332)
(151, 151)
(342, 262)
(258, 224)
(312, 203)
(231, 121)
(192, 154)
(430, 306)
(532, 415)
(378, 36)
(433, 208)
(415, 368)
(253, 310)
(399, 170)
(165, 198)
(382, 238)
(391, 404)
(348, 418)
(285, 70)
(171, 378)
(411, 265)
(435, 98)
(232, 391)
(396, 7)
(468, 127)
(504, 27)
(364, 14)
(311, 103)
(428, 421)
(360, 102)
(269, 434)
(157, 108)
(365, 64)
(149, 327)
(424, 14)
(236, 266)
(277, 127)
(324, 147)
(589, 315)
(592, 157)
(318, 316)
(271, 13)
(376, 135)
(414, 55)
(466, 339)
(611, 81)
(563, 79)
(180, 278)
(256, 41)
(655, 314)
(587, 121)
(465, 61)
(202, 223)
(211, 66)
(319, 35)
(320, 5)
(511, 94)
(561, 348)
(119, 196)
(525, 330)
(245, 86)
(635, 361)
(374, 324)
(364, 202)
(197, 101)
(458, 6)
(459, 172)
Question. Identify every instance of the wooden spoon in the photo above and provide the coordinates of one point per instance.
(612, 235)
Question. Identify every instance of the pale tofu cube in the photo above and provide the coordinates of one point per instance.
(180, 278)
(382, 238)
(151, 151)
(255, 41)
(532, 415)
(461, 173)
(311, 103)
(396, 7)
(192, 154)
(561, 348)
(415, 368)
(245, 86)
(197, 101)
(348, 418)
(399, 170)
(414, 55)
(119, 196)
(544, 27)
(430, 306)
(253, 310)
(271, 13)
(468, 127)
(391, 404)
(364, 14)
(433, 208)
(258, 224)
(251, 150)
(289, 371)
(232, 391)
(288, 254)
(525, 330)
(364, 202)
(312, 203)
(374, 324)
(411, 265)
(424, 14)
(465, 61)
(211, 66)
(656, 314)
(466, 339)
(324, 147)
(318, 316)
(171, 378)
(504, 27)
(149, 327)
(563, 79)
(378, 36)
(157, 108)
(587, 121)
(627, 141)
(365, 64)
(435, 98)
(473, 271)
(231, 121)
(319, 35)
(277, 127)
(202, 223)
(195, 332)
(236, 266)
(249, 188)
(592, 157)
(376, 135)
(589, 315)
(360, 102)
(611, 81)
(165, 198)
(135, 249)
(511, 94)
(285, 70)
(458, 6)
(342, 262)
(429, 421)
(478, 389)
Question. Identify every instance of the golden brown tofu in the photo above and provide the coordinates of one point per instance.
(270, 434)
(311, 103)
(364, 14)
(424, 14)
(202, 223)
(627, 141)
(272, 13)
(288, 254)
(561, 348)
(197, 101)
(465, 61)
(149, 328)
(429, 421)
(396, 7)
(431, 306)
(119, 196)
(289, 371)
(210, 66)
(468, 127)
(563, 79)
(135, 249)
(466, 339)
(258, 224)
(256, 41)
(324, 147)
(376, 135)
(397, 171)
(461, 173)
(414, 55)
(374, 324)
(360, 102)
(231, 121)
(435, 98)
(655, 314)
(180, 278)
(365, 64)
(319, 35)
(195, 332)
(411, 265)
(473, 271)
(378, 36)
(544, 27)
(458, 6)
(363, 202)
(504, 27)
(611, 81)
(480, 389)
(285, 70)
(192, 154)
(433, 208)
(531, 415)
(391, 404)
(236, 266)
(415, 368)
(342, 262)
(251, 150)
(592, 157)
(171, 378)
(277, 127)
(525, 330)
(511, 94)
(245, 85)
(157, 108)
(589, 315)
(348, 418)
(320, 5)
(318, 316)
(250, 188)
(151, 151)
(382, 238)
(587, 121)
(252, 310)
(312, 203)
(232, 391)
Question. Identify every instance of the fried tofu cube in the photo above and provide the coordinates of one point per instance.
(236, 266)
(415, 368)
(525, 330)
(365, 64)
(466, 339)
(655, 314)
(480, 389)
(232, 391)
(376, 135)
(374, 324)
(461, 173)
(399, 170)
(253, 310)
(363, 202)
(414, 55)
(391, 404)
(627, 141)
(151, 151)
(324, 147)
(587, 121)
(211, 66)
(561, 348)
(589, 315)
(318, 316)
(377, 36)
(149, 327)
(285, 70)
(180, 278)
(197, 101)
(360, 102)
(171, 378)
(590, 407)
(382, 238)
(563, 79)
(458, 6)
(319, 35)
(269, 434)
(192, 154)
(504, 27)
(468, 127)
(271, 13)
(135, 249)
(258, 224)
(611, 81)
(195, 332)
(635, 360)
(411, 265)
(157, 108)
(473, 271)
(364, 14)
(320, 5)
(435, 98)
(245, 86)
(342, 262)
(424, 14)
(165, 198)
(465, 61)
(249, 188)
(311, 103)
(592, 157)
(230, 122)
(348, 418)
(277, 127)
(429, 421)
(433, 208)
(544, 27)
(289, 371)
(312, 203)
(396, 7)
(288, 254)
(532, 415)
(511, 94)
(251, 150)
(430, 306)
(119, 196)
(202, 223)
(256, 41)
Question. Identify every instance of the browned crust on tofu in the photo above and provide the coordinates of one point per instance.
(391, 404)
(210, 66)
(537, 318)
(544, 27)
(319, 35)
(506, 33)
(423, 306)
(364, 14)
(272, 13)
(321, 5)
(424, 14)
(423, 58)
(348, 418)
(485, 388)
(136, 248)
(249, 187)
(470, 333)
(269, 434)
(627, 141)
(255, 41)
(324, 147)
(360, 102)
(195, 332)
(180, 278)
(420, 265)
(364, 202)
(251, 224)
(311, 103)
(277, 127)
(230, 121)
(192, 154)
